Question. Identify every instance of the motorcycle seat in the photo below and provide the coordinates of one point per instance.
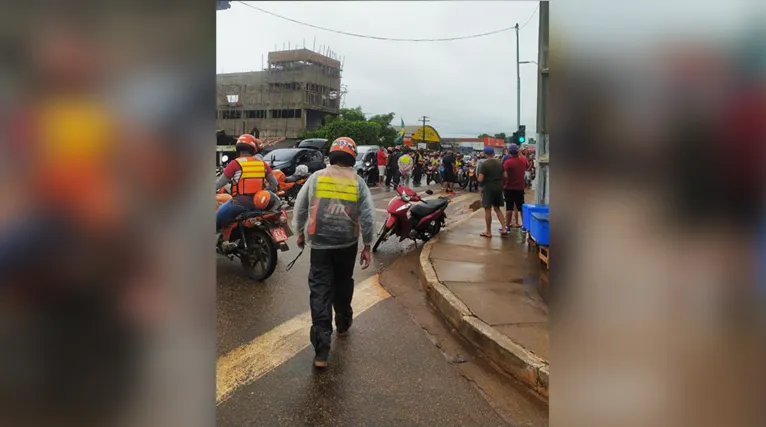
(427, 207)
(293, 178)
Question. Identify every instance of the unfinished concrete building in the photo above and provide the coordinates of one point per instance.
(290, 96)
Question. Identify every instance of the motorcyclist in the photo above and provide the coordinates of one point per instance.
(248, 175)
(406, 164)
(330, 211)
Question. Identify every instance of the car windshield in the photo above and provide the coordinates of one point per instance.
(280, 155)
(360, 155)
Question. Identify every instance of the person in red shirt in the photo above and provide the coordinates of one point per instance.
(513, 187)
(381, 164)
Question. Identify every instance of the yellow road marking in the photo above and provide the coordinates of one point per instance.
(247, 363)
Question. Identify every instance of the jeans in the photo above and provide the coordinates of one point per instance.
(226, 214)
(331, 286)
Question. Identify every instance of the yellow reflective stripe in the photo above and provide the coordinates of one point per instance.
(247, 167)
(343, 188)
(253, 174)
(336, 180)
(326, 194)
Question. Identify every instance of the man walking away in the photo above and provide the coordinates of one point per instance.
(393, 167)
(513, 187)
(448, 162)
(417, 175)
(406, 165)
(381, 164)
(330, 211)
(491, 176)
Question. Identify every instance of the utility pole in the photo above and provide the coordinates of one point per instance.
(518, 79)
(424, 119)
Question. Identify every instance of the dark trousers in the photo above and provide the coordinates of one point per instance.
(389, 175)
(418, 174)
(331, 286)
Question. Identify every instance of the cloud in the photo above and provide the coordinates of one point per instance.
(467, 86)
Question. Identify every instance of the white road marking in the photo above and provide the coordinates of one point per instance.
(247, 363)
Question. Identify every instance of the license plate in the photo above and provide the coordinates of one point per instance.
(278, 234)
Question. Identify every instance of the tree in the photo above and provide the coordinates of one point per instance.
(362, 132)
(501, 135)
(387, 132)
(484, 135)
(351, 122)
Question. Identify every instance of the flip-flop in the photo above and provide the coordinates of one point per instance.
(489, 236)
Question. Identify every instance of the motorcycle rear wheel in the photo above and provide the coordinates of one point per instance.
(263, 249)
(382, 234)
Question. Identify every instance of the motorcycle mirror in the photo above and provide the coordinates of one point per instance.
(224, 159)
(429, 192)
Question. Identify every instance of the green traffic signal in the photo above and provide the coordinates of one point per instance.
(521, 139)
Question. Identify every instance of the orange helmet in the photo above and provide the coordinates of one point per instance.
(344, 144)
(262, 199)
(247, 142)
(279, 176)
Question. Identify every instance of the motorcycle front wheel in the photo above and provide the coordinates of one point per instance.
(260, 259)
(382, 234)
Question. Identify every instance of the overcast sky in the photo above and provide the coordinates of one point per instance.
(467, 87)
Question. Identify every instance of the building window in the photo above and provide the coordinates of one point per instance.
(298, 114)
(231, 114)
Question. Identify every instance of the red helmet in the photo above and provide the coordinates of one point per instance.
(247, 142)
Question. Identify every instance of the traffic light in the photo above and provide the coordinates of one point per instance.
(521, 135)
(515, 138)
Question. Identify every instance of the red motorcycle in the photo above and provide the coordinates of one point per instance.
(424, 221)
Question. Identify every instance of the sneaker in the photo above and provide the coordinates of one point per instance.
(228, 246)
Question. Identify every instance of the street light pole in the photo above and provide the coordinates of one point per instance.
(518, 80)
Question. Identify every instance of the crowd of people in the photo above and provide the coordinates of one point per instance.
(502, 181)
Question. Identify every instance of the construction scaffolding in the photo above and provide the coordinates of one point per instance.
(291, 95)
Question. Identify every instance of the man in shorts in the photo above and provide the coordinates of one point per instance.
(513, 187)
(382, 158)
(491, 176)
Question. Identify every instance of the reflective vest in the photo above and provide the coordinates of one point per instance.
(252, 178)
(333, 209)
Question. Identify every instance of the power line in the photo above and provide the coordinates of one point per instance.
(391, 39)
(531, 16)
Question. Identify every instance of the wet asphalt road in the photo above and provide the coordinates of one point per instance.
(387, 372)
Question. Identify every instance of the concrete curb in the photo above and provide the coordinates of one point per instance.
(510, 356)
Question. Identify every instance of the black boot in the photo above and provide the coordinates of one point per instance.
(343, 323)
(321, 340)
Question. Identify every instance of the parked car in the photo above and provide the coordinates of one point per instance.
(287, 159)
(366, 153)
(316, 143)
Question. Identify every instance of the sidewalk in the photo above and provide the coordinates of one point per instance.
(488, 290)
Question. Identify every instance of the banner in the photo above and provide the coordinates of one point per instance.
(494, 142)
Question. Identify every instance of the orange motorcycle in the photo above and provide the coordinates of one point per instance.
(289, 186)
(260, 236)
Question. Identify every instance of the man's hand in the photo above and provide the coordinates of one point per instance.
(364, 258)
(301, 240)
